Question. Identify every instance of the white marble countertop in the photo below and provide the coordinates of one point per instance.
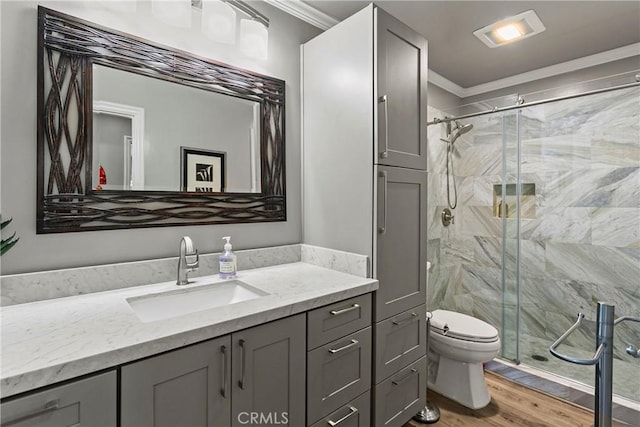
(45, 342)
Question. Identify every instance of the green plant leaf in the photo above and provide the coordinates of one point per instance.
(5, 223)
(8, 244)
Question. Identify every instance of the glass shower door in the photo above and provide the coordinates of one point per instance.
(507, 206)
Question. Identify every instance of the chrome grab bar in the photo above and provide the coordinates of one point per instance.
(624, 318)
(603, 359)
(570, 359)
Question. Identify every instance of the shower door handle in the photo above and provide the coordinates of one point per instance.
(385, 153)
(383, 228)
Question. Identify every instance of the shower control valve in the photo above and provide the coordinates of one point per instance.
(447, 217)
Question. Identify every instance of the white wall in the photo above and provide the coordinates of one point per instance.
(18, 32)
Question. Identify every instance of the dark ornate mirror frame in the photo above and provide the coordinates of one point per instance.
(67, 49)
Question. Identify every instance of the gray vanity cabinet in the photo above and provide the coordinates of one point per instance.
(89, 402)
(269, 373)
(253, 374)
(402, 94)
(189, 387)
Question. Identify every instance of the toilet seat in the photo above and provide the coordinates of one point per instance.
(462, 327)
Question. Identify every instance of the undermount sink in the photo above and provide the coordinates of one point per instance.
(179, 302)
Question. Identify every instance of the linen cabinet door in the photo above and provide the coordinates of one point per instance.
(185, 387)
(401, 241)
(269, 374)
(89, 402)
(402, 94)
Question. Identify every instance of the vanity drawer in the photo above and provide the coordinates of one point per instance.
(336, 320)
(401, 396)
(338, 372)
(400, 340)
(356, 413)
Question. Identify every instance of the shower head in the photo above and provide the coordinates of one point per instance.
(459, 130)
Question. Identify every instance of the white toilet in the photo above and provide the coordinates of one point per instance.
(460, 344)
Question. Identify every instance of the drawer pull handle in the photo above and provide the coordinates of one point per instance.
(50, 406)
(385, 199)
(344, 310)
(336, 350)
(223, 390)
(409, 319)
(385, 153)
(413, 371)
(352, 409)
(243, 357)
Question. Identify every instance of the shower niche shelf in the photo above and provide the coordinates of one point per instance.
(508, 209)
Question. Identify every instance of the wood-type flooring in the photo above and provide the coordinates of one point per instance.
(512, 405)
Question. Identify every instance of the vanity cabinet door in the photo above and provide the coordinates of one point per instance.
(185, 387)
(89, 402)
(402, 94)
(269, 374)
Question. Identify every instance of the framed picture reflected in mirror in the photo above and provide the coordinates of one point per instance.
(202, 171)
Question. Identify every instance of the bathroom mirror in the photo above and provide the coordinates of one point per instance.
(134, 134)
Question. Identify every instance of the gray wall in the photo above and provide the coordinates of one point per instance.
(18, 137)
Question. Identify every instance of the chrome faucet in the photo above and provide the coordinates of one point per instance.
(185, 264)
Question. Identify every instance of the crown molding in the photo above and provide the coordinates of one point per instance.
(554, 70)
(305, 12)
(446, 84)
(540, 73)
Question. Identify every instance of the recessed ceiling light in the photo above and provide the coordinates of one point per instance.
(508, 32)
(513, 28)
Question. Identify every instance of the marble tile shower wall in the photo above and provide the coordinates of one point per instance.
(582, 245)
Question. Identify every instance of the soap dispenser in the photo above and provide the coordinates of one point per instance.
(228, 267)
